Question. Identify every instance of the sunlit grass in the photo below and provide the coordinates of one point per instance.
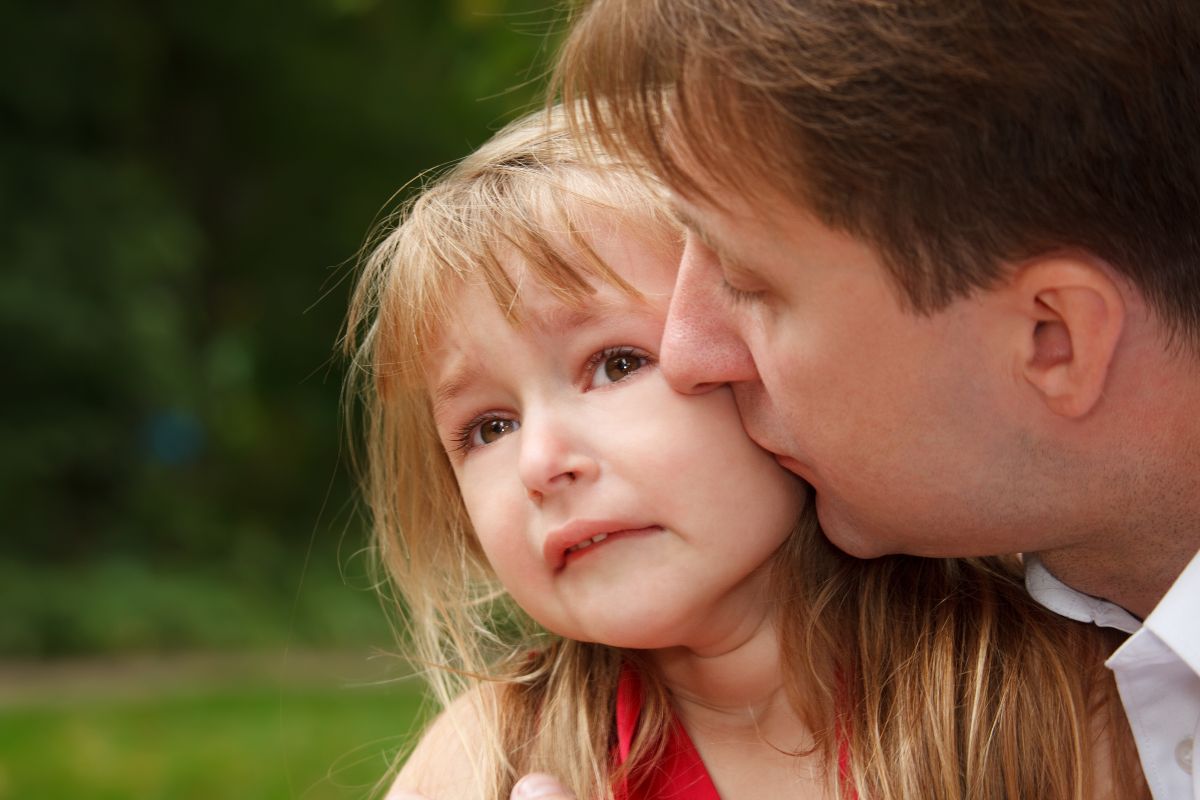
(223, 740)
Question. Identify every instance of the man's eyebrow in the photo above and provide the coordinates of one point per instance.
(688, 221)
(693, 225)
(731, 266)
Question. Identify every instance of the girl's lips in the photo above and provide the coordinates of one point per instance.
(574, 539)
(587, 546)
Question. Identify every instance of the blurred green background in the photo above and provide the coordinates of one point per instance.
(184, 188)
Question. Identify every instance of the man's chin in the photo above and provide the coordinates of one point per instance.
(854, 545)
(846, 536)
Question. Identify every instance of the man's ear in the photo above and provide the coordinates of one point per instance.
(1073, 314)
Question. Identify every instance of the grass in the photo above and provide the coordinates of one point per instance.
(218, 738)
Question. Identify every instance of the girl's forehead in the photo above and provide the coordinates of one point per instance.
(604, 261)
(568, 274)
(537, 305)
(481, 339)
(534, 304)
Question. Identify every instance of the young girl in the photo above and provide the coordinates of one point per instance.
(609, 582)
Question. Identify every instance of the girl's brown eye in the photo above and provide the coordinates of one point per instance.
(615, 364)
(493, 429)
(621, 366)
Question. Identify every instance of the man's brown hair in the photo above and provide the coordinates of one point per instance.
(953, 135)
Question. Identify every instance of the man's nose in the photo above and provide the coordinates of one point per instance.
(702, 347)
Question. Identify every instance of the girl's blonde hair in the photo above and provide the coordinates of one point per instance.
(526, 194)
(929, 678)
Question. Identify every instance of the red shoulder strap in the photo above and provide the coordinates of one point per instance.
(680, 775)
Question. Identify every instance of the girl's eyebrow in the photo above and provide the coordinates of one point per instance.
(453, 383)
(565, 317)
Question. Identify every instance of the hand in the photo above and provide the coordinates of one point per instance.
(536, 786)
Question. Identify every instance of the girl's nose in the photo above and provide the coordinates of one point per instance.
(553, 457)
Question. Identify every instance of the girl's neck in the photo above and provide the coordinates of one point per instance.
(733, 702)
(730, 685)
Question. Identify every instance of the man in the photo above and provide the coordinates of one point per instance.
(947, 254)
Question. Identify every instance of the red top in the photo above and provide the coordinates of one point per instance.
(680, 775)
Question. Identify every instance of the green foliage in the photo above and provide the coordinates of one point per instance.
(184, 187)
(123, 605)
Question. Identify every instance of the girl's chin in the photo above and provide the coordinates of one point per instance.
(626, 638)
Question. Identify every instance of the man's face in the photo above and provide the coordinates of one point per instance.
(903, 423)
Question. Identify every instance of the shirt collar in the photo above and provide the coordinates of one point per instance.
(1173, 620)
(1065, 601)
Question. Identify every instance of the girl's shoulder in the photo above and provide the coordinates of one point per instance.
(449, 760)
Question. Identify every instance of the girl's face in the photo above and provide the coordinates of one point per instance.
(612, 508)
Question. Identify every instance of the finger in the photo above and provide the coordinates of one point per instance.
(537, 786)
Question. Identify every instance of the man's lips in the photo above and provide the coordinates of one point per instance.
(790, 464)
(577, 536)
(787, 462)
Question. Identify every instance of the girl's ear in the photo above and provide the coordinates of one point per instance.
(1072, 314)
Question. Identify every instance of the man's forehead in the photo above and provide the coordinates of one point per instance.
(717, 185)
(703, 171)
(719, 223)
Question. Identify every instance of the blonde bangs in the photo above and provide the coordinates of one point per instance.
(482, 220)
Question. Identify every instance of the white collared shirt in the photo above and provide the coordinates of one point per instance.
(1157, 671)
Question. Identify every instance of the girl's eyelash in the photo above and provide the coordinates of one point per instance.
(461, 438)
(612, 352)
